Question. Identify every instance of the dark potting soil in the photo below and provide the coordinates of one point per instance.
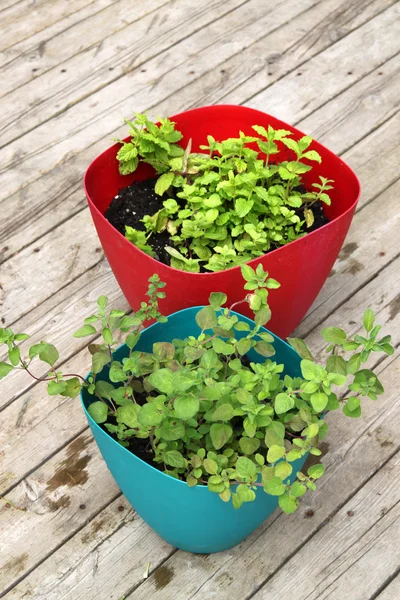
(132, 203)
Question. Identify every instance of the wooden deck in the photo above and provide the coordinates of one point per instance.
(71, 70)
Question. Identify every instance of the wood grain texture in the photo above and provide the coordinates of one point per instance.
(113, 48)
(275, 55)
(25, 62)
(355, 542)
(26, 18)
(78, 538)
(391, 591)
(48, 506)
(370, 244)
(342, 58)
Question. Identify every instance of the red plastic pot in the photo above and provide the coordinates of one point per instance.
(301, 266)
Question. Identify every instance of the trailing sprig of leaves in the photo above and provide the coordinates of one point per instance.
(212, 415)
(230, 203)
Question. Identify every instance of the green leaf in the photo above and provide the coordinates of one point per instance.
(99, 361)
(247, 272)
(186, 407)
(316, 471)
(173, 458)
(224, 412)
(128, 415)
(171, 430)
(222, 347)
(245, 468)
(283, 403)
(98, 411)
(354, 414)
(249, 445)
(243, 206)
(274, 486)
(264, 348)
(217, 299)
(162, 381)
(319, 400)
(163, 351)
(298, 489)
(301, 348)
(56, 387)
(275, 453)
(85, 331)
(272, 438)
(220, 434)
(243, 346)
(262, 316)
(210, 466)
(288, 504)
(107, 335)
(14, 355)
(20, 337)
(72, 388)
(245, 493)
(309, 370)
(368, 319)
(334, 335)
(102, 302)
(104, 389)
(283, 470)
(336, 364)
(312, 155)
(149, 416)
(163, 183)
(206, 318)
(182, 381)
(354, 363)
(293, 455)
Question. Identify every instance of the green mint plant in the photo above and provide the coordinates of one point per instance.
(230, 203)
(209, 413)
(150, 143)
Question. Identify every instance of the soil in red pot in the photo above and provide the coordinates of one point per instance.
(135, 201)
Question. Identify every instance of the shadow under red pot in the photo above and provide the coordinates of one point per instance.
(301, 267)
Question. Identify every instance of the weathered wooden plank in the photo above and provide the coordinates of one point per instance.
(392, 591)
(79, 126)
(343, 58)
(363, 107)
(56, 501)
(274, 56)
(381, 294)
(116, 542)
(27, 420)
(58, 317)
(39, 215)
(187, 572)
(370, 244)
(352, 458)
(37, 152)
(112, 48)
(375, 169)
(50, 270)
(15, 25)
(26, 61)
(360, 541)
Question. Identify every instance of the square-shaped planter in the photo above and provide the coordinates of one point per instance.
(301, 266)
(190, 518)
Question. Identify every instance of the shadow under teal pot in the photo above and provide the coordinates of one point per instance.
(189, 518)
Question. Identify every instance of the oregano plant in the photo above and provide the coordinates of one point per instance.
(231, 202)
(206, 411)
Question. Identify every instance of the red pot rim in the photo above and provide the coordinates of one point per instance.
(257, 258)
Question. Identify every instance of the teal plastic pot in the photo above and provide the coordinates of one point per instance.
(189, 518)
